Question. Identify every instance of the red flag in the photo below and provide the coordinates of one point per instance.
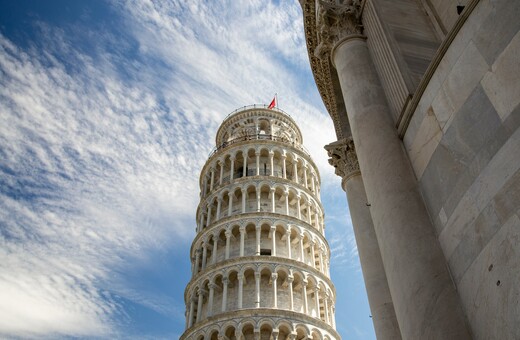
(273, 103)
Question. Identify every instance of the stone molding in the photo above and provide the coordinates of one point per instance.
(260, 316)
(343, 158)
(321, 68)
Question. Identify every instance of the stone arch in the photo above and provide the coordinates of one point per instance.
(279, 198)
(264, 161)
(264, 126)
(236, 193)
(249, 292)
(302, 331)
(250, 191)
(291, 167)
(266, 292)
(316, 334)
(284, 329)
(229, 331)
(264, 189)
(250, 151)
(238, 171)
(266, 328)
(212, 333)
(250, 238)
(277, 161)
(231, 303)
(247, 329)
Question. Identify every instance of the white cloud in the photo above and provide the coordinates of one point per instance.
(101, 149)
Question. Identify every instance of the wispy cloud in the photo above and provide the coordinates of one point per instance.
(103, 135)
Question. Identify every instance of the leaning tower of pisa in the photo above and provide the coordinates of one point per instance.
(260, 261)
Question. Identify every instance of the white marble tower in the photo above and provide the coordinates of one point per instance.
(260, 261)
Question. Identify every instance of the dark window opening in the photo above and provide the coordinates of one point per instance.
(266, 252)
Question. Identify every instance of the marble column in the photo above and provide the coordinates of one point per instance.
(317, 301)
(232, 160)
(244, 170)
(242, 230)
(219, 205)
(212, 180)
(258, 235)
(228, 240)
(286, 196)
(204, 253)
(274, 276)
(192, 308)
(288, 239)
(272, 191)
(240, 290)
(225, 282)
(221, 163)
(211, 287)
(271, 162)
(425, 300)
(230, 203)
(304, 295)
(257, 289)
(273, 240)
(197, 259)
(200, 294)
(284, 166)
(290, 280)
(244, 194)
(343, 158)
(215, 247)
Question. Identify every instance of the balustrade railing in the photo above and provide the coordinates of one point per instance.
(258, 137)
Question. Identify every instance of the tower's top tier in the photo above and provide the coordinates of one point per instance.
(258, 122)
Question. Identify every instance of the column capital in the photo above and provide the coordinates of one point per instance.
(335, 22)
(290, 279)
(242, 229)
(274, 276)
(343, 158)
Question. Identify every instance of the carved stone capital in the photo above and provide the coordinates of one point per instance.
(335, 21)
(343, 158)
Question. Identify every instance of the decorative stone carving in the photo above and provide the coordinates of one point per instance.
(343, 158)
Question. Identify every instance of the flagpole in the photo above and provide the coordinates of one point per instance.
(276, 97)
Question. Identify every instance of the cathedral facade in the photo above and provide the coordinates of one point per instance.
(424, 96)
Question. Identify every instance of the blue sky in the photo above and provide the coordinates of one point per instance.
(108, 111)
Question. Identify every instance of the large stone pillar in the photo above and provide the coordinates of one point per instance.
(343, 158)
(426, 303)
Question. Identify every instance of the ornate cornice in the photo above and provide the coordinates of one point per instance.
(327, 23)
(343, 158)
(321, 67)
